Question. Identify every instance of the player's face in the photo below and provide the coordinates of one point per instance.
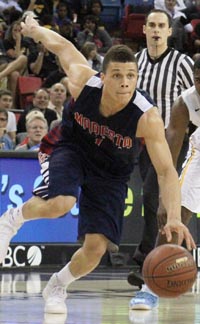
(197, 80)
(120, 81)
(157, 29)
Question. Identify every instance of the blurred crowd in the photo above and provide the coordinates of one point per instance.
(81, 22)
(23, 126)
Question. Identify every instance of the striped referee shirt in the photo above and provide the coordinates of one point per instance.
(164, 78)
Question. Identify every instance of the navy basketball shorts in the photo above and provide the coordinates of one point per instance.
(101, 199)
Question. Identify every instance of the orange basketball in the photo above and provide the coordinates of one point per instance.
(169, 270)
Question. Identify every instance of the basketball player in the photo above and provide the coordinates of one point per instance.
(96, 154)
(187, 109)
(164, 73)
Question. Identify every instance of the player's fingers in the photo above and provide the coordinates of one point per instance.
(168, 233)
(189, 241)
(180, 237)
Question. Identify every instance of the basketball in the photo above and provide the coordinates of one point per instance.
(169, 270)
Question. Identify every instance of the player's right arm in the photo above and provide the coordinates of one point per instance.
(72, 61)
(177, 127)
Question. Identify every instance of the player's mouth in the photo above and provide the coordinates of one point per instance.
(123, 93)
(156, 38)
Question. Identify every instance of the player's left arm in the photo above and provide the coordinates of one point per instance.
(151, 128)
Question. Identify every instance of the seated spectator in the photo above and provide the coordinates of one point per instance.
(3, 28)
(14, 61)
(180, 26)
(91, 33)
(9, 5)
(6, 102)
(36, 128)
(95, 60)
(41, 62)
(160, 4)
(40, 102)
(6, 142)
(68, 31)
(62, 14)
(192, 10)
(10, 10)
(38, 7)
(80, 10)
(57, 96)
(47, 21)
(57, 76)
(95, 9)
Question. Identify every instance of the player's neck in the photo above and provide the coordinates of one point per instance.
(108, 108)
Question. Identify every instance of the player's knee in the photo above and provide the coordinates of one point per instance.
(60, 205)
(95, 246)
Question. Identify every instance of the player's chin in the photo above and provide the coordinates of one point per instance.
(123, 98)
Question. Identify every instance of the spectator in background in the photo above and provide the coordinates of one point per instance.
(160, 4)
(54, 76)
(47, 21)
(80, 9)
(6, 102)
(41, 62)
(6, 142)
(62, 14)
(14, 62)
(36, 127)
(95, 9)
(180, 26)
(9, 5)
(3, 28)
(38, 7)
(10, 10)
(92, 33)
(40, 102)
(95, 60)
(57, 96)
(67, 30)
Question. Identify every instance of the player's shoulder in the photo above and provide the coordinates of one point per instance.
(94, 81)
(151, 124)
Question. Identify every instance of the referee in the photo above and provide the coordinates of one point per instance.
(164, 73)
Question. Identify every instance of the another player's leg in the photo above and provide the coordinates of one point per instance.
(85, 260)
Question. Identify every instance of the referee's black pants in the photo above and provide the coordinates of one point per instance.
(150, 203)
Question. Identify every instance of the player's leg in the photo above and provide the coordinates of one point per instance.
(102, 204)
(62, 193)
(85, 260)
(35, 208)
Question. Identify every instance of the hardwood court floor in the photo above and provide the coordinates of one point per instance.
(100, 298)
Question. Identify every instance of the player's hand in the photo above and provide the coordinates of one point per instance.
(29, 26)
(182, 231)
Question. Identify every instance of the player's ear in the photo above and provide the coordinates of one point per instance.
(170, 31)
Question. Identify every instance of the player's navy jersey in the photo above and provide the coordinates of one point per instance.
(107, 143)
